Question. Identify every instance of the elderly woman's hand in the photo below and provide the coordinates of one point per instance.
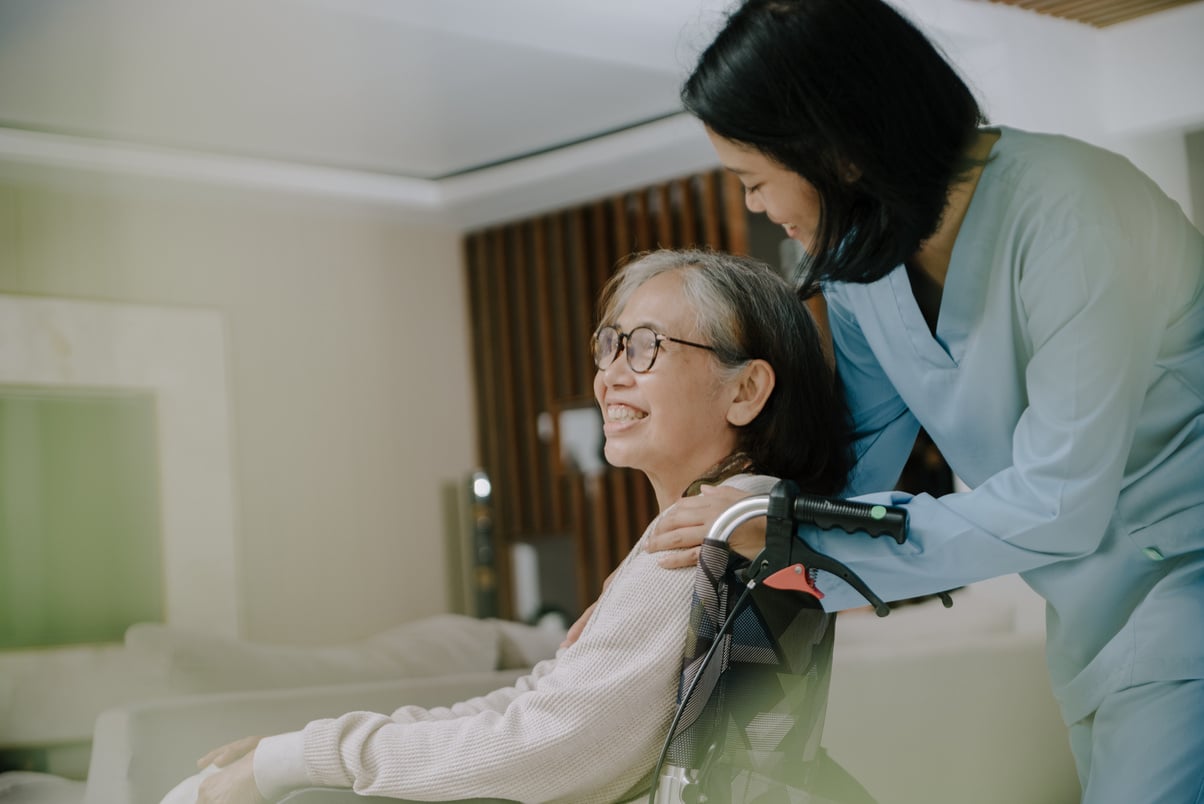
(225, 754)
(233, 784)
(574, 632)
(688, 521)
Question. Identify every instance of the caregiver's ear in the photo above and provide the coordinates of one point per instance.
(752, 392)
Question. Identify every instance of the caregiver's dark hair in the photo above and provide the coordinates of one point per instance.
(852, 97)
(745, 311)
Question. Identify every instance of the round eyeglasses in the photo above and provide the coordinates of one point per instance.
(643, 345)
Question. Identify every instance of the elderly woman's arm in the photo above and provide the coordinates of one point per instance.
(588, 727)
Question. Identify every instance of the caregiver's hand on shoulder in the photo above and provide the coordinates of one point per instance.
(233, 784)
(225, 754)
(688, 521)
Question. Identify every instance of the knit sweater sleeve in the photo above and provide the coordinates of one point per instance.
(495, 701)
(585, 727)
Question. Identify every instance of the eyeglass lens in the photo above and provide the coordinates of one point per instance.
(641, 348)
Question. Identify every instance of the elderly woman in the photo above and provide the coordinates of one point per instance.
(709, 371)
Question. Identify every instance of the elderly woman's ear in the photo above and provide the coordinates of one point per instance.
(753, 388)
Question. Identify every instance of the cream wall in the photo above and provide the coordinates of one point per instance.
(348, 356)
(1132, 88)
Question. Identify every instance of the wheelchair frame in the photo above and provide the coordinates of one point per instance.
(702, 765)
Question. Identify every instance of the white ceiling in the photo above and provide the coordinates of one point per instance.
(466, 110)
(419, 88)
(372, 90)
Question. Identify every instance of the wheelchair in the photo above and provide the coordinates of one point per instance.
(753, 691)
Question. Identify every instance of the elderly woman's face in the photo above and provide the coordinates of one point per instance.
(670, 422)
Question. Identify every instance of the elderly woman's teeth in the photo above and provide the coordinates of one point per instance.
(622, 413)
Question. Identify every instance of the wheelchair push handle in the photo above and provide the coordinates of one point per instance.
(788, 562)
(851, 516)
(786, 502)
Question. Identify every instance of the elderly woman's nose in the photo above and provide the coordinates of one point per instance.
(618, 372)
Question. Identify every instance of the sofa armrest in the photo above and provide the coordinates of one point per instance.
(141, 750)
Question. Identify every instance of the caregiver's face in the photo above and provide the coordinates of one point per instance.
(669, 422)
(785, 197)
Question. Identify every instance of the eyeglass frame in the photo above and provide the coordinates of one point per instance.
(623, 344)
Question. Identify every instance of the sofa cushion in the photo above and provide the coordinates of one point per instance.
(196, 662)
(521, 645)
(27, 787)
(51, 696)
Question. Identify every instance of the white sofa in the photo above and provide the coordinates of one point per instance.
(52, 700)
(927, 705)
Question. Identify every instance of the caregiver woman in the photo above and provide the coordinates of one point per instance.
(1036, 305)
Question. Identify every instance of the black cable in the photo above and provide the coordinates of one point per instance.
(706, 660)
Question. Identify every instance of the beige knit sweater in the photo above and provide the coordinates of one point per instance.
(584, 727)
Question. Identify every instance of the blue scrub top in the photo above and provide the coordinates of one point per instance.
(1065, 386)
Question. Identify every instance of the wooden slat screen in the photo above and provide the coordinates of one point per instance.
(532, 288)
(1099, 13)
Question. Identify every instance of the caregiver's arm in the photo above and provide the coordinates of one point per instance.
(1092, 322)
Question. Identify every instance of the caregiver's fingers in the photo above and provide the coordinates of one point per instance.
(688, 521)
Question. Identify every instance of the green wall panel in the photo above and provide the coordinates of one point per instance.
(80, 546)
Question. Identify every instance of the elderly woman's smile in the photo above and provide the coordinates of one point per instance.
(623, 413)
